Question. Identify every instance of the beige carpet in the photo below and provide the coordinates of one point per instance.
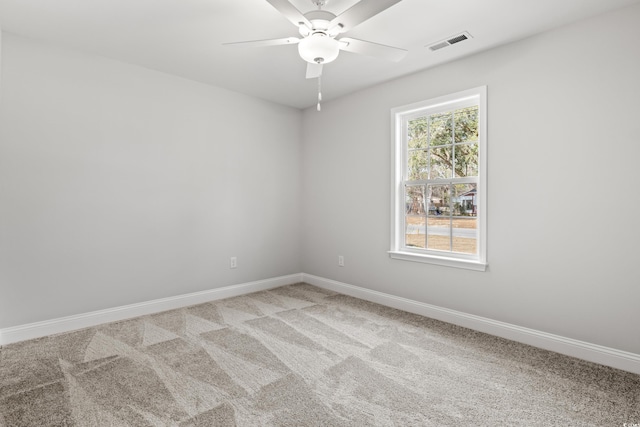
(301, 356)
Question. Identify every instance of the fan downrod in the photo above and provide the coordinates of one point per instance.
(319, 3)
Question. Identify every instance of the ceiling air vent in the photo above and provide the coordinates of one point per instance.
(450, 41)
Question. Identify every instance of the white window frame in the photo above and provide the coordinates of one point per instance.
(399, 140)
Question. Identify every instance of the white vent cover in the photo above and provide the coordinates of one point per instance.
(450, 41)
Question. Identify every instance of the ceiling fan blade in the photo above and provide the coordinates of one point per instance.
(261, 43)
(359, 13)
(313, 70)
(372, 49)
(290, 12)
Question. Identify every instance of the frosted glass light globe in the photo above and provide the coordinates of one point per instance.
(318, 48)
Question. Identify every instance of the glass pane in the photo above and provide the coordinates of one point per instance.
(438, 200)
(414, 232)
(439, 234)
(441, 129)
(415, 216)
(466, 128)
(417, 133)
(465, 245)
(465, 200)
(414, 196)
(466, 160)
(441, 159)
(417, 165)
(465, 235)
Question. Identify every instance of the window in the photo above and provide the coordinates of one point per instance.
(438, 207)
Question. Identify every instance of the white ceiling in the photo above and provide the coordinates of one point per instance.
(184, 37)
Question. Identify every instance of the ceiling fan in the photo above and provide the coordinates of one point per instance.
(320, 30)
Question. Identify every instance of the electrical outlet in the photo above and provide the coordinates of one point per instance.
(340, 260)
(233, 262)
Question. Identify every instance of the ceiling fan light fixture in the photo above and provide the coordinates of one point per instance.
(304, 30)
(319, 48)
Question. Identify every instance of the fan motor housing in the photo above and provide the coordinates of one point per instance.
(319, 19)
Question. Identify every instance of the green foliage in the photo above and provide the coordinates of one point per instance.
(443, 144)
(418, 133)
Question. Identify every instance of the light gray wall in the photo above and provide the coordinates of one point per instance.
(564, 149)
(119, 185)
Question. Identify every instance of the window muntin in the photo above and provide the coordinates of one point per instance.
(440, 210)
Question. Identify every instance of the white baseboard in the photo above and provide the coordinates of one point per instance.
(567, 346)
(94, 318)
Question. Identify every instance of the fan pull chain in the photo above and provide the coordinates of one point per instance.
(319, 92)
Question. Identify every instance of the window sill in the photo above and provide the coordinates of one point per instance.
(444, 261)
